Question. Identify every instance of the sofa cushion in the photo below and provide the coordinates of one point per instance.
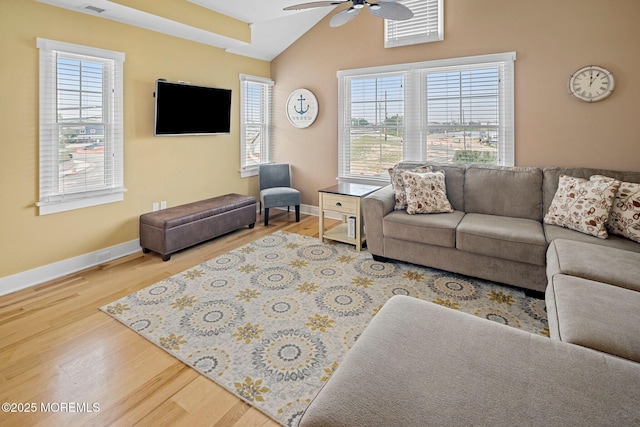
(434, 229)
(595, 315)
(553, 232)
(454, 179)
(425, 192)
(419, 364)
(582, 205)
(515, 239)
(594, 262)
(398, 183)
(504, 191)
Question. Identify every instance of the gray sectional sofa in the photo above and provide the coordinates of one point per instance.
(496, 231)
(420, 364)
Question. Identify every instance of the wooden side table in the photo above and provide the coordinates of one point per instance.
(344, 198)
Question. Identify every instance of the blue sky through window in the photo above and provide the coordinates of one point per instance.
(376, 98)
(463, 97)
(453, 97)
(80, 87)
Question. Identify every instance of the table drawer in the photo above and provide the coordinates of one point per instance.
(336, 203)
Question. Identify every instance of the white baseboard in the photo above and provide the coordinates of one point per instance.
(45, 273)
(48, 272)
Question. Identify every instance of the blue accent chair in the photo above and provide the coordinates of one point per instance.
(276, 190)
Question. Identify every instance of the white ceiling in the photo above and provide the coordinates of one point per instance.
(272, 29)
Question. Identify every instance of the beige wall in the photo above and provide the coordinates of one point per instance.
(551, 38)
(175, 169)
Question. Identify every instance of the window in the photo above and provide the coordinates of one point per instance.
(81, 153)
(427, 24)
(375, 123)
(447, 111)
(255, 123)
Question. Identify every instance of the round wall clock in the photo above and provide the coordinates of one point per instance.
(591, 83)
(302, 108)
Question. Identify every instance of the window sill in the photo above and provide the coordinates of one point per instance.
(47, 208)
(248, 172)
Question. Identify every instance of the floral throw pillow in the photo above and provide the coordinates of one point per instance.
(624, 218)
(426, 192)
(398, 184)
(582, 205)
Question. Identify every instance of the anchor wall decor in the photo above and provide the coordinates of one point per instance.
(302, 108)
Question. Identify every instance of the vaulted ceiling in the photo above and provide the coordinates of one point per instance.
(255, 28)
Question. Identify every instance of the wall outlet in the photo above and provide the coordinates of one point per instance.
(155, 206)
(163, 204)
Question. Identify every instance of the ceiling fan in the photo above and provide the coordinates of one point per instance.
(388, 9)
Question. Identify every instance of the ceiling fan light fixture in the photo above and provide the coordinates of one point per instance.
(385, 9)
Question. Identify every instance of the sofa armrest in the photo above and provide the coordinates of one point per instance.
(375, 207)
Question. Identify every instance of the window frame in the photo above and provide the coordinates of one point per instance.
(266, 123)
(422, 28)
(51, 198)
(416, 126)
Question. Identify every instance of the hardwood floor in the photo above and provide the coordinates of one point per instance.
(57, 347)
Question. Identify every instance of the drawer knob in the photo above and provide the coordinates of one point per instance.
(338, 204)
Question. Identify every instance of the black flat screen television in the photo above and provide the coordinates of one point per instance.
(185, 109)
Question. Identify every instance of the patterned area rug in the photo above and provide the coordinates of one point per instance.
(272, 320)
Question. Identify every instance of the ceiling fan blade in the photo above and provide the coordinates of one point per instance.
(343, 17)
(391, 10)
(315, 4)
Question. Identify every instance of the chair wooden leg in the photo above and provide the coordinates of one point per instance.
(266, 216)
(297, 213)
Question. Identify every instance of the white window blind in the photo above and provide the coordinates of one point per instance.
(256, 95)
(81, 136)
(427, 24)
(464, 114)
(448, 111)
(373, 124)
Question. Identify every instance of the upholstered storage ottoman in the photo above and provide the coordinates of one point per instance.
(420, 364)
(170, 230)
